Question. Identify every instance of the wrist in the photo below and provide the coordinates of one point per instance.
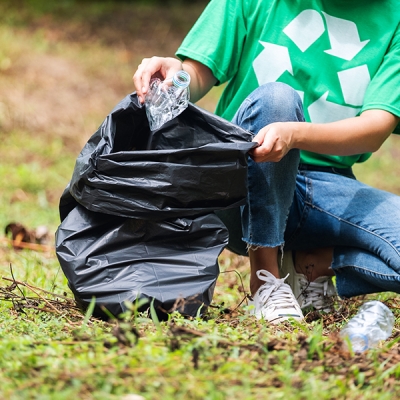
(299, 135)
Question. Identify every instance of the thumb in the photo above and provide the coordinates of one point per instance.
(259, 138)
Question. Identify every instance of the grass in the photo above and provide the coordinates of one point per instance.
(63, 66)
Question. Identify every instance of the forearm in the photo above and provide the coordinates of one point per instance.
(202, 79)
(357, 135)
(362, 134)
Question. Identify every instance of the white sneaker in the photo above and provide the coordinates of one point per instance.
(274, 300)
(319, 294)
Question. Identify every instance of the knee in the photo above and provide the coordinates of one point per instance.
(279, 96)
(273, 102)
(276, 89)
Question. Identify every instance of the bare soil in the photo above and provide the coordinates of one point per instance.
(48, 91)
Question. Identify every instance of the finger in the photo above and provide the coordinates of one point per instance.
(152, 67)
(265, 152)
(145, 71)
(261, 156)
(138, 79)
(255, 153)
(258, 138)
(266, 139)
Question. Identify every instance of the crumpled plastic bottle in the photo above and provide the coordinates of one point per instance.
(372, 323)
(166, 99)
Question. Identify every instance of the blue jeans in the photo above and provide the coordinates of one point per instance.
(303, 207)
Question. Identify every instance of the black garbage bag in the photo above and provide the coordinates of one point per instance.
(137, 218)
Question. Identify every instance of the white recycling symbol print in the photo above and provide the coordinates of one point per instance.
(304, 30)
(278, 62)
(344, 38)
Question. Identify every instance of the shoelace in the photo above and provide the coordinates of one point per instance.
(316, 294)
(277, 290)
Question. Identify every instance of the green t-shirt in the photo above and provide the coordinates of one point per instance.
(342, 56)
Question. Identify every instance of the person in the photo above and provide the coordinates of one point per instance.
(318, 84)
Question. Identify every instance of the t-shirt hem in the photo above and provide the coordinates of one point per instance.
(319, 163)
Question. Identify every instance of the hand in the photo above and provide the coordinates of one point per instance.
(275, 141)
(155, 67)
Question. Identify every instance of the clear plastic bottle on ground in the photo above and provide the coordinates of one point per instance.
(166, 99)
(372, 323)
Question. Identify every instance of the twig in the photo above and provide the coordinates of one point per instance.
(40, 297)
(43, 298)
(15, 282)
(238, 274)
(46, 301)
(241, 282)
(244, 298)
(37, 288)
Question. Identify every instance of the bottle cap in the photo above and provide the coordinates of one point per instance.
(181, 79)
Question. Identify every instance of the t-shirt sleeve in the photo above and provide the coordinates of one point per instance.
(216, 39)
(383, 91)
